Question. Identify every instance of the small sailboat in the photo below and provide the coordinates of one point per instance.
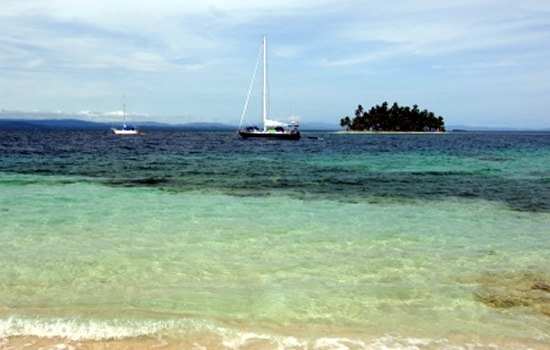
(125, 129)
(272, 129)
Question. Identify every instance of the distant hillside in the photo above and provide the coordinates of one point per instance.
(320, 126)
(50, 124)
(203, 126)
(490, 128)
(77, 124)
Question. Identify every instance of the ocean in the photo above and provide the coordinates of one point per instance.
(204, 240)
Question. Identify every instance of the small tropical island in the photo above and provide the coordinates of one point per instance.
(380, 118)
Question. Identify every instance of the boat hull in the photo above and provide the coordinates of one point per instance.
(125, 132)
(267, 135)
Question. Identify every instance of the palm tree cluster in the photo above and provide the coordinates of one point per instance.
(396, 118)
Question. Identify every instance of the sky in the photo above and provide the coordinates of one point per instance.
(473, 62)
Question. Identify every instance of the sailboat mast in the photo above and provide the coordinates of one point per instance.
(265, 83)
(124, 108)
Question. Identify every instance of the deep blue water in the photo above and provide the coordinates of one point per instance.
(511, 167)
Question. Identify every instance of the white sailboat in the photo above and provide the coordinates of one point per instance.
(271, 128)
(125, 129)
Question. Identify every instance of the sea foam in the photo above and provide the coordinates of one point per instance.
(75, 329)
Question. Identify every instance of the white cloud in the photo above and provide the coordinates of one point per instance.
(412, 28)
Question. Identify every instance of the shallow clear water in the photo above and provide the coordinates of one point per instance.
(205, 239)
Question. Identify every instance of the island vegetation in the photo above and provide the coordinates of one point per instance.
(393, 119)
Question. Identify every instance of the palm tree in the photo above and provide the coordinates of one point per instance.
(345, 122)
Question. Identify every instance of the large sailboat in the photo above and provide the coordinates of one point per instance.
(125, 129)
(271, 129)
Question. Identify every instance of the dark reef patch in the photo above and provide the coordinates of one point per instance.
(509, 290)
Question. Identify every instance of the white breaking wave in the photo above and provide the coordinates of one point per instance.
(117, 329)
(83, 329)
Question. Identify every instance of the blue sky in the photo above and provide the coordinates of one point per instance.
(474, 62)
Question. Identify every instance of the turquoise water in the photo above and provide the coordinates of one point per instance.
(204, 239)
